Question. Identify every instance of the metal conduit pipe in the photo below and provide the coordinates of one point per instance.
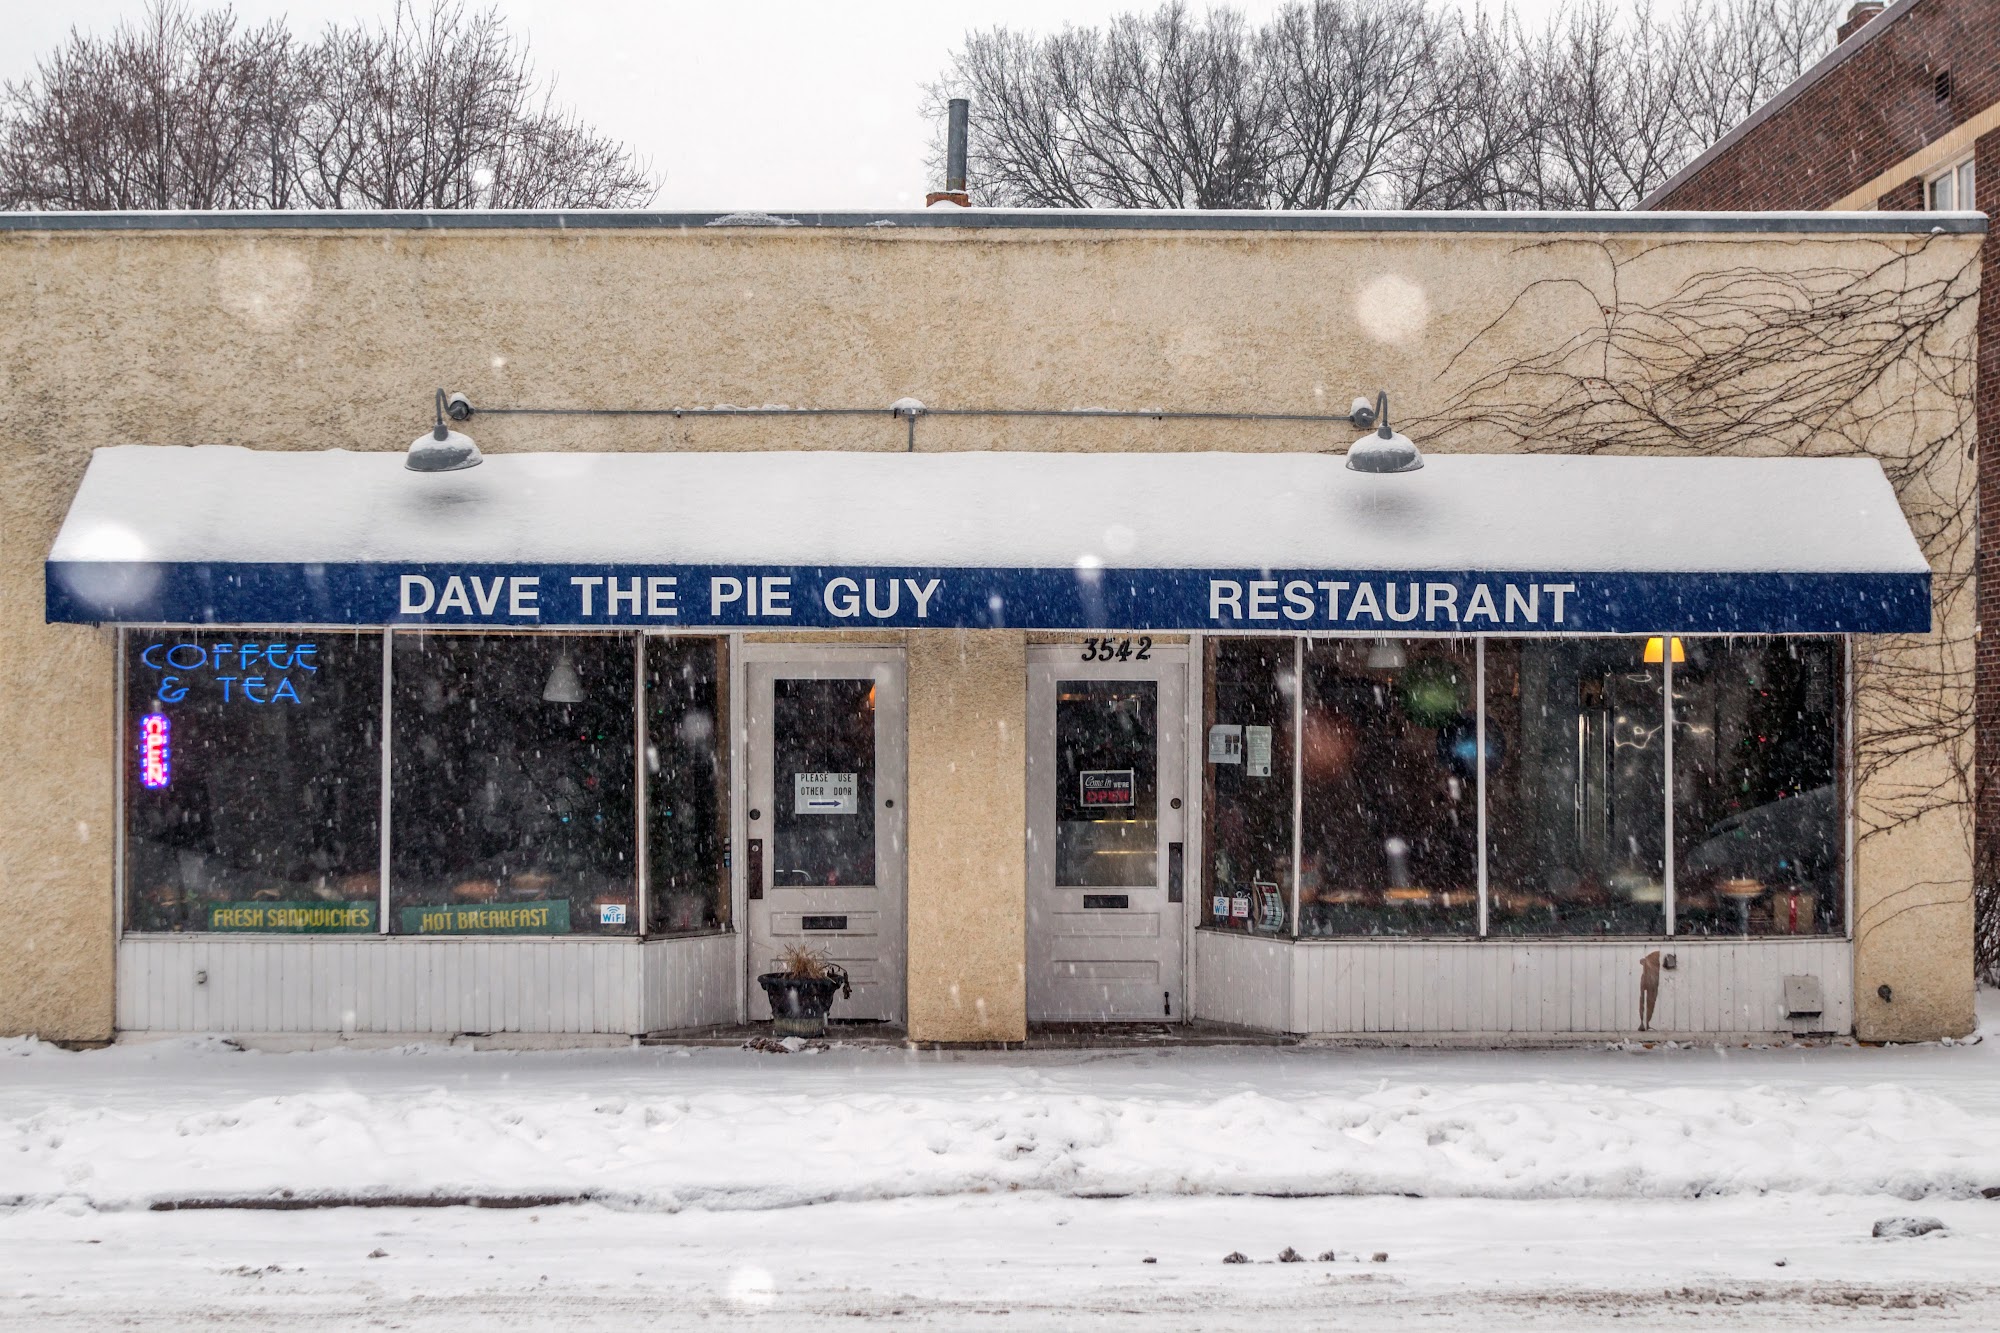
(1114, 414)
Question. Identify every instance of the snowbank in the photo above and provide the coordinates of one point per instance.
(666, 1129)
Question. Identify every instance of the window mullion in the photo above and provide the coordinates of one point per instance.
(382, 804)
(1298, 771)
(1479, 764)
(1669, 643)
(641, 866)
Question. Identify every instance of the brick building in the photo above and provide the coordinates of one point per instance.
(1903, 115)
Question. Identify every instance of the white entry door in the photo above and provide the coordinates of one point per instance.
(1106, 831)
(823, 841)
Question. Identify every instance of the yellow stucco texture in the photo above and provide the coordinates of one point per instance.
(323, 339)
(967, 846)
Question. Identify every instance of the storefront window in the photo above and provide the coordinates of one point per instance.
(1757, 829)
(1390, 823)
(252, 766)
(512, 785)
(823, 754)
(1249, 687)
(1576, 773)
(687, 785)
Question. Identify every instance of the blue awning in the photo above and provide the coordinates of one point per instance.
(1507, 544)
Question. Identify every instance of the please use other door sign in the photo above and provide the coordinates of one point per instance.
(825, 793)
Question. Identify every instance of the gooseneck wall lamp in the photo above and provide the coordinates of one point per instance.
(442, 449)
(1383, 450)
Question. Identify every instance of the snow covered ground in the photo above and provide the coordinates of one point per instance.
(1507, 1189)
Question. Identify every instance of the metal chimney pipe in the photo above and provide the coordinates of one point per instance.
(954, 154)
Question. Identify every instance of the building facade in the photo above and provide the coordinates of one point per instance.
(983, 599)
(1904, 114)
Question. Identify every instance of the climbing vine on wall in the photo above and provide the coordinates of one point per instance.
(1821, 359)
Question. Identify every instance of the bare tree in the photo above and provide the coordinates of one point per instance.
(1157, 111)
(1385, 103)
(167, 114)
(1348, 86)
(439, 108)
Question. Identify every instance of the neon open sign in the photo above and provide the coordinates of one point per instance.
(156, 751)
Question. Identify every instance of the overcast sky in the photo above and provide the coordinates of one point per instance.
(777, 104)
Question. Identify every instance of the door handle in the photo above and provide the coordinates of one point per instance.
(1176, 873)
(754, 869)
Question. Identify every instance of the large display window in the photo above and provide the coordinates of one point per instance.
(517, 766)
(1389, 805)
(513, 785)
(1250, 687)
(1527, 787)
(687, 785)
(1758, 838)
(1576, 787)
(252, 775)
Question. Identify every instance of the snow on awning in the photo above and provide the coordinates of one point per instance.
(1280, 542)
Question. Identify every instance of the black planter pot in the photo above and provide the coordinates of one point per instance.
(799, 1005)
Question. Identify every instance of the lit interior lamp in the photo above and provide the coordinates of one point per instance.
(443, 449)
(1656, 650)
(563, 686)
(1384, 450)
(1387, 655)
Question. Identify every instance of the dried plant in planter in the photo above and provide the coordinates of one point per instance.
(802, 961)
(800, 987)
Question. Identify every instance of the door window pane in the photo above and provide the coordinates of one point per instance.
(1389, 841)
(1107, 783)
(1757, 814)
(252, 767)
(513, 784)
(823, 783)
(1248, 689)
(687, 784)
(1576, 792)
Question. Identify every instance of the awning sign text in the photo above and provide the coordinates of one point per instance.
(1090, 596)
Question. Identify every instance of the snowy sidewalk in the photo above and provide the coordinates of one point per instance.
(661, 1129)
(1075, 1189)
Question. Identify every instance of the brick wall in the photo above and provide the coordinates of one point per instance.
(1986, 705)
(1907, 197)
(1874, 109)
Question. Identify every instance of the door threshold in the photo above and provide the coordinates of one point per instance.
(1048, 1036)
(839, 1032)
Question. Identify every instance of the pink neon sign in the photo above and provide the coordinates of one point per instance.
(156, 751)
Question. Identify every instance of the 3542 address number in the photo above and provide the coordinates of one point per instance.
(1118, 650)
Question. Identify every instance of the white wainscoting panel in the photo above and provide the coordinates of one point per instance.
(1243, 980)
(691, 981)
(1555, 987)
(373, 984)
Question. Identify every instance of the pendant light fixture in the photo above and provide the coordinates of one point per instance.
(443, 449)
(1384, 451)
(563, 686)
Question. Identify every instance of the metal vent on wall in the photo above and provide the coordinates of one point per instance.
(1805, 1004)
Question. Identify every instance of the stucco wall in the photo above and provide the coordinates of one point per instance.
(968, 813)
(335, 339)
